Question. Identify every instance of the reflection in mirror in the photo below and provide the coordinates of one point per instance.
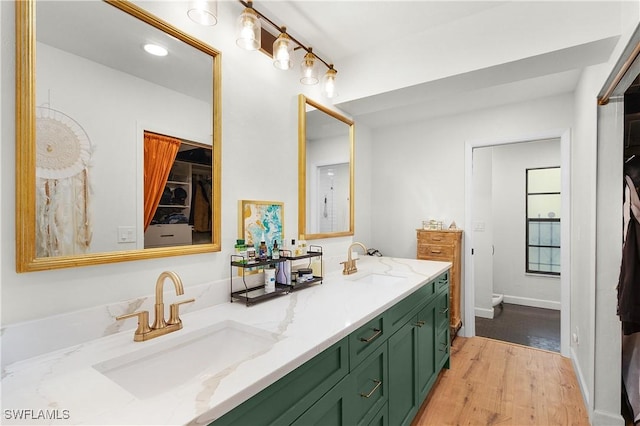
(325, 199)
(87, 98)
(178, 208)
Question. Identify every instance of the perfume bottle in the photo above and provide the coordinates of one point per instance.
(275, 251)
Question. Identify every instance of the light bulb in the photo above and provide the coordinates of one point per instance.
(329, 83)
(282, 49)
(308, 70)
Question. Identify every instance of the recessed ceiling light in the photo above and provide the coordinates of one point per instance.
(156, 50)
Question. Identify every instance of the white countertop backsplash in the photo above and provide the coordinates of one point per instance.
(48, 364)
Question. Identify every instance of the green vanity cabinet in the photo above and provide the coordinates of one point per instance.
(378, 375)
(285, 400)
(416, 356)
(371, 379)
(403, 388)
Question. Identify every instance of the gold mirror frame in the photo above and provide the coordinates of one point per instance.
(26, 259)
(303, 101)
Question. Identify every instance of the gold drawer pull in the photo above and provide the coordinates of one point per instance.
(436, 251)
(437, 238)
(420, 323)
(375, 388)
(376, 334)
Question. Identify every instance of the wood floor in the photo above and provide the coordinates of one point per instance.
(497, 383)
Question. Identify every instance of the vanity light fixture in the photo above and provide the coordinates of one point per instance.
(308, 70)
(155, 49)
(203, 12)
(249, 34)
(282, 50)
(329, 83)
(248, 29)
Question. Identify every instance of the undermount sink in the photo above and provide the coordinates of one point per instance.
(155, 369)
(378, 278)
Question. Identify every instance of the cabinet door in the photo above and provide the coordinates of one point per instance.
(426, 364)
(403, 388)
(381, 418)
(334, 408)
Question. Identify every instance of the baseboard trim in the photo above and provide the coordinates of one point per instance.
(484, 313)
(606, 418)
(581, 379)
(528, 301)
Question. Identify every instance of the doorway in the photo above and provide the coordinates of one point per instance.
(480, 259)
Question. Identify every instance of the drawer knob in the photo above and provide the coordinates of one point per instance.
(376, 334)
(375, 388)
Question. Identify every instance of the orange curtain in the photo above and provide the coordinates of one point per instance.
(159, 153)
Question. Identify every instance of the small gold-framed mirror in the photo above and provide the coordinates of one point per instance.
(326, 143)
(87, 96)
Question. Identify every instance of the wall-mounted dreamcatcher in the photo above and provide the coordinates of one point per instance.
(63, 154)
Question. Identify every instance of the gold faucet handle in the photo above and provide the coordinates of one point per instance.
(174, 311)
(143, 322)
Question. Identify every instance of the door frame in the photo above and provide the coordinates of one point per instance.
(469, 324)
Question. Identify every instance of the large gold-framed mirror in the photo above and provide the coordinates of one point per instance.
(326, 143)
(87, 97)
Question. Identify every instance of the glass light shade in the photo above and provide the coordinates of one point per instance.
(248, 33)
(329, 83)
(308, 70)
(282, 50)
(203, 12)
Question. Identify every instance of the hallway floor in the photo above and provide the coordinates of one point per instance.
(492, 382)
(524, 325)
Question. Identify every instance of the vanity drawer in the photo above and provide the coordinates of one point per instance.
(433, 251)
(437, 237)
(442, 282)
(170, 234)
(371, 386)
(367, 338)
(400, 313)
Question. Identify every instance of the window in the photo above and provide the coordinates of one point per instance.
(543, 221)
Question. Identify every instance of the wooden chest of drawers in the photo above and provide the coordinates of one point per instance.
(445, 245)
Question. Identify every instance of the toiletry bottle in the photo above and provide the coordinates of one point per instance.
(275, 251)
(262, 251)
(294, 248)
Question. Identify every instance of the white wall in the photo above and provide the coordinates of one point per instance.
(509, 212)
(419, 167)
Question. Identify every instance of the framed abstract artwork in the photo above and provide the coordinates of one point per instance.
(261, 221)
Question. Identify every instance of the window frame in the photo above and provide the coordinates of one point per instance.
(529, 220)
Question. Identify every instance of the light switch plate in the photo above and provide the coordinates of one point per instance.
(126, 234)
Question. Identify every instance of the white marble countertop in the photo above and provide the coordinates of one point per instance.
(64, 387)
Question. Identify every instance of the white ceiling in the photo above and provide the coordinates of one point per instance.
(351, 32)
(341, 30)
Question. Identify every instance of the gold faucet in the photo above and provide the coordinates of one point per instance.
(160, 327)
(350, 264)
